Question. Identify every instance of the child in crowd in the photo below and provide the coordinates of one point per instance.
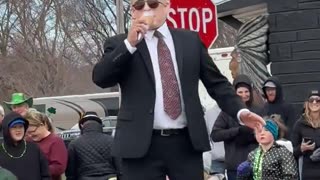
(270, 161)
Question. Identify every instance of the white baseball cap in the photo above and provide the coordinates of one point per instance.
(270, 84)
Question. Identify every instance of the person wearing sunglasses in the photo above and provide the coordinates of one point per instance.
(306, 136)
(161, 128)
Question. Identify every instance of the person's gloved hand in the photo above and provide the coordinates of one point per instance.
(244, 170)
(315, 156)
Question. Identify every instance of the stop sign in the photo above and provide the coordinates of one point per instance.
(196, 15)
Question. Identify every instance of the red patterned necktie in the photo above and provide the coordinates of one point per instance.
(170, 87)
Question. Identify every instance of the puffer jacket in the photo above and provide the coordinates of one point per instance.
(89, 156)
(278, 163)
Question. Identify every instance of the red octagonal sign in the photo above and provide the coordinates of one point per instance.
(196, 15)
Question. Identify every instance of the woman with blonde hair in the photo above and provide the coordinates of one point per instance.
(51, 145)
(46, 120)
(306, 137)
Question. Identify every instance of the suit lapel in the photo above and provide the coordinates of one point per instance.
(178, 45)
(144, 51)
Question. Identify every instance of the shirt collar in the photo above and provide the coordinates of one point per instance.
(163, 29)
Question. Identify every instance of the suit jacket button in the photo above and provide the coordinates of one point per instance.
(151, 111)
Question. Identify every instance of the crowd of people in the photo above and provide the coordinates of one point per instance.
(288, 146)
(28, 136)
(30, 149)
(161, 130)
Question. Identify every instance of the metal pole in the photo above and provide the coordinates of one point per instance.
(120, 17)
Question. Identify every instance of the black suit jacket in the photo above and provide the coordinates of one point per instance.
(135, 75)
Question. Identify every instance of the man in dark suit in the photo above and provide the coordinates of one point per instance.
(161, 129)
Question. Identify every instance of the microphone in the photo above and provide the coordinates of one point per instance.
(148, 17)
(139, 37)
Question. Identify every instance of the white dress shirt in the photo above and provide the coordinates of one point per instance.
(161, 119)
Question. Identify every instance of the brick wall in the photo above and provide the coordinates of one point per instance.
(294, 43)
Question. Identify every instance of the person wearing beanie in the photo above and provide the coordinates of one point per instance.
(238, 140)
(89, 156)
(306, 137)
(24, 159)
(270, 161)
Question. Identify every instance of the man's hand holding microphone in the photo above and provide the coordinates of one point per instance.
(139, 28)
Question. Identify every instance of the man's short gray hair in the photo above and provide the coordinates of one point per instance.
(1, 111)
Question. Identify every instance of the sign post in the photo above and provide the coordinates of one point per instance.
(196, 15)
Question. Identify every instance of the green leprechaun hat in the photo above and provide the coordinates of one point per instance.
(19, 98)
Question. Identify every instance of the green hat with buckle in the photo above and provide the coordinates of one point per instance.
(19, 98)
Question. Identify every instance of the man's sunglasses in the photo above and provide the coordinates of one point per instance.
(311, 100)
(138, 5)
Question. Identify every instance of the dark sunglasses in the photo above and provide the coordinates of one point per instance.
(311, 100)
(138, 5)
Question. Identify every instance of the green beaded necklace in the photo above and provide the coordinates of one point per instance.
(257, 166)
(16, 157)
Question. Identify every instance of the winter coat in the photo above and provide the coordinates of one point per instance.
(89, 156)
(238, 140)
(237, 143)
(32, 165)
(310, 169)
(278, 163)
(279, 106)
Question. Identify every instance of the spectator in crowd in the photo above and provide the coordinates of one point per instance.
(90, 155)
(24, 159)
(50, 144)
(306, 137)
(238, 140)
(276, 104)
(19, 103)
(270, 161)
(1, 119)
(46, 119)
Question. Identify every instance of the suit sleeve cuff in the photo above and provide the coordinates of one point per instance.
(129, 47)
(239, 112)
